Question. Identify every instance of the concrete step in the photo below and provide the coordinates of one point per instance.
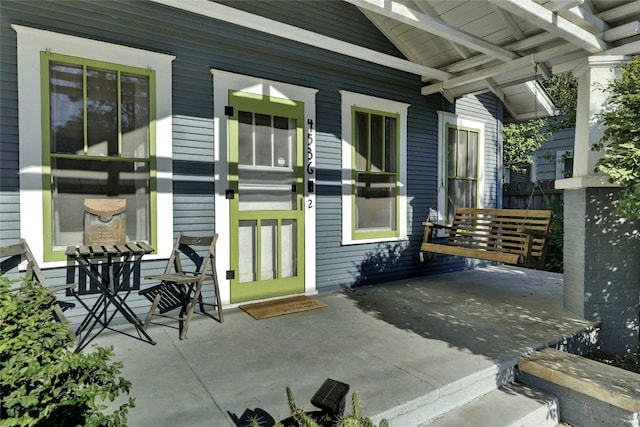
(457, 395)
(591, 394)
(512, 405)
(450, 396)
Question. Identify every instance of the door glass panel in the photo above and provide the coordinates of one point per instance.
(247, 251)
(245, 138)
(289, 256)
(267, 180)
(263, 131)
(268, 250)
(284, 150)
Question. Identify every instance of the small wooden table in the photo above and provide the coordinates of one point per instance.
(109, 281)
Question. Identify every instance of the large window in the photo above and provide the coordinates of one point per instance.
(460, 164)
(94, 123)
(462, 168)
(99, 144)
(374, 175)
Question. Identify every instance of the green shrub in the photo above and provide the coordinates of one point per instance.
(620, 143)
(42, 381)
(555, 256)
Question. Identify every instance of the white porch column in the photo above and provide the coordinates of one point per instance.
(601, 258)
(592, 76)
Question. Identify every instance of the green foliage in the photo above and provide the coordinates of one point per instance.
(563, 90)
(42, 382)
(621, 140)
(520, 141)
(355, 419)
(555, 252)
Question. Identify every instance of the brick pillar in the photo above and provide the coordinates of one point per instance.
(602, 266)
(601, 251)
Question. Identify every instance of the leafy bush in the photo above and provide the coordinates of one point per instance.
(520, 140)
(555, 256)
(42, 381)
(563, 90)
(621, 140)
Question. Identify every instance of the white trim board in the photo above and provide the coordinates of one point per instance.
(289, 32)
(31, 42)
(223, 81)
(349, 100)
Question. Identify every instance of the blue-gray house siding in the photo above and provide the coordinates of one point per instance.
(561, 141)
(201, 43)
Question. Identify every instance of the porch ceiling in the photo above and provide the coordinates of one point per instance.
(501, 46)
(461, 47)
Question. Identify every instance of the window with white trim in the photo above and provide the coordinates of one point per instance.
(105, 132)
(374, 171)
(460, 165)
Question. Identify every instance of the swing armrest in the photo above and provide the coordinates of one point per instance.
(436, 226)
(428, 231)
(534, 233)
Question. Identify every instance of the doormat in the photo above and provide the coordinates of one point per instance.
(279, 307)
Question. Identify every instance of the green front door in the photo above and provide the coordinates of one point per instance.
(266, 201)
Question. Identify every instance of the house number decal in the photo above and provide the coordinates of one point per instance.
(310, 160)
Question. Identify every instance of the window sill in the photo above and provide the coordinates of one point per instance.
(348, 242)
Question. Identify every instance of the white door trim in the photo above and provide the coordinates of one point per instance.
(223, 82)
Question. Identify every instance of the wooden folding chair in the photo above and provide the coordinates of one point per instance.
(189, 281)
(13, 255)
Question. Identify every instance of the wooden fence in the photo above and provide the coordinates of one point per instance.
(530, 195)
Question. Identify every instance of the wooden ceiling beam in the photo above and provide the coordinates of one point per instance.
(524, 63)
(401, 13)
(553, 23)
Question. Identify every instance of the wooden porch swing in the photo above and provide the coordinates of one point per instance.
(512, 236)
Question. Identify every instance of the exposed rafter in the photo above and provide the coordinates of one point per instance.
(509, 67)
(401, 13)
(493, 88)
(585, 19)
(621, 12)
(427, 9)
(558, 5)
(629, 29)
(554, 23)
(510, 23)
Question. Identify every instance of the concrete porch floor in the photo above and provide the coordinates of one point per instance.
(393, 343)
